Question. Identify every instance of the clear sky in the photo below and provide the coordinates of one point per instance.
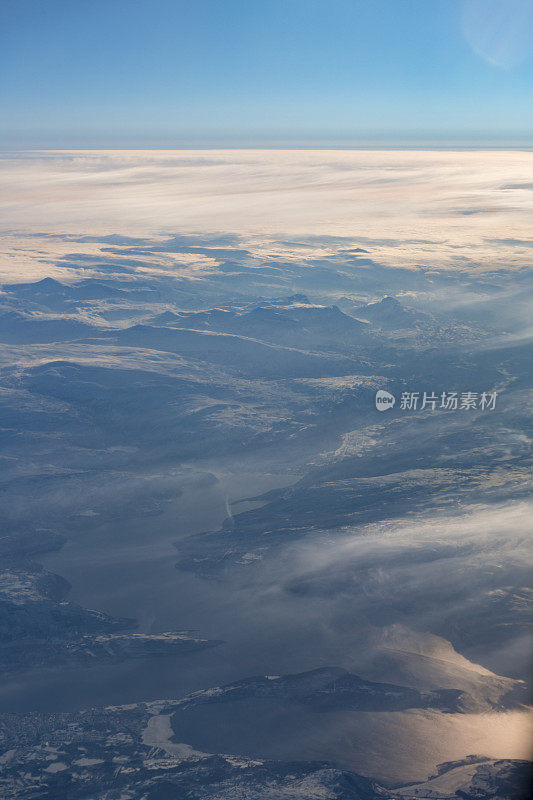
(82, 73)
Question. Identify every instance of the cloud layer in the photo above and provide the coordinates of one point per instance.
(449, 209)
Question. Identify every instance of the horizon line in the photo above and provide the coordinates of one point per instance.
(368, 146)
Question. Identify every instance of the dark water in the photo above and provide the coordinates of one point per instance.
(127, 568)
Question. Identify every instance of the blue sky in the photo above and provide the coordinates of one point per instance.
(231, 72)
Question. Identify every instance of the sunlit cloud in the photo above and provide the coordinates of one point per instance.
(437, 209)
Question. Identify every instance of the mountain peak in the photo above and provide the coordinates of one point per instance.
(49, 283)
(390, 302)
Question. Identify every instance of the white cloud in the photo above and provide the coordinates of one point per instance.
(409, 208)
